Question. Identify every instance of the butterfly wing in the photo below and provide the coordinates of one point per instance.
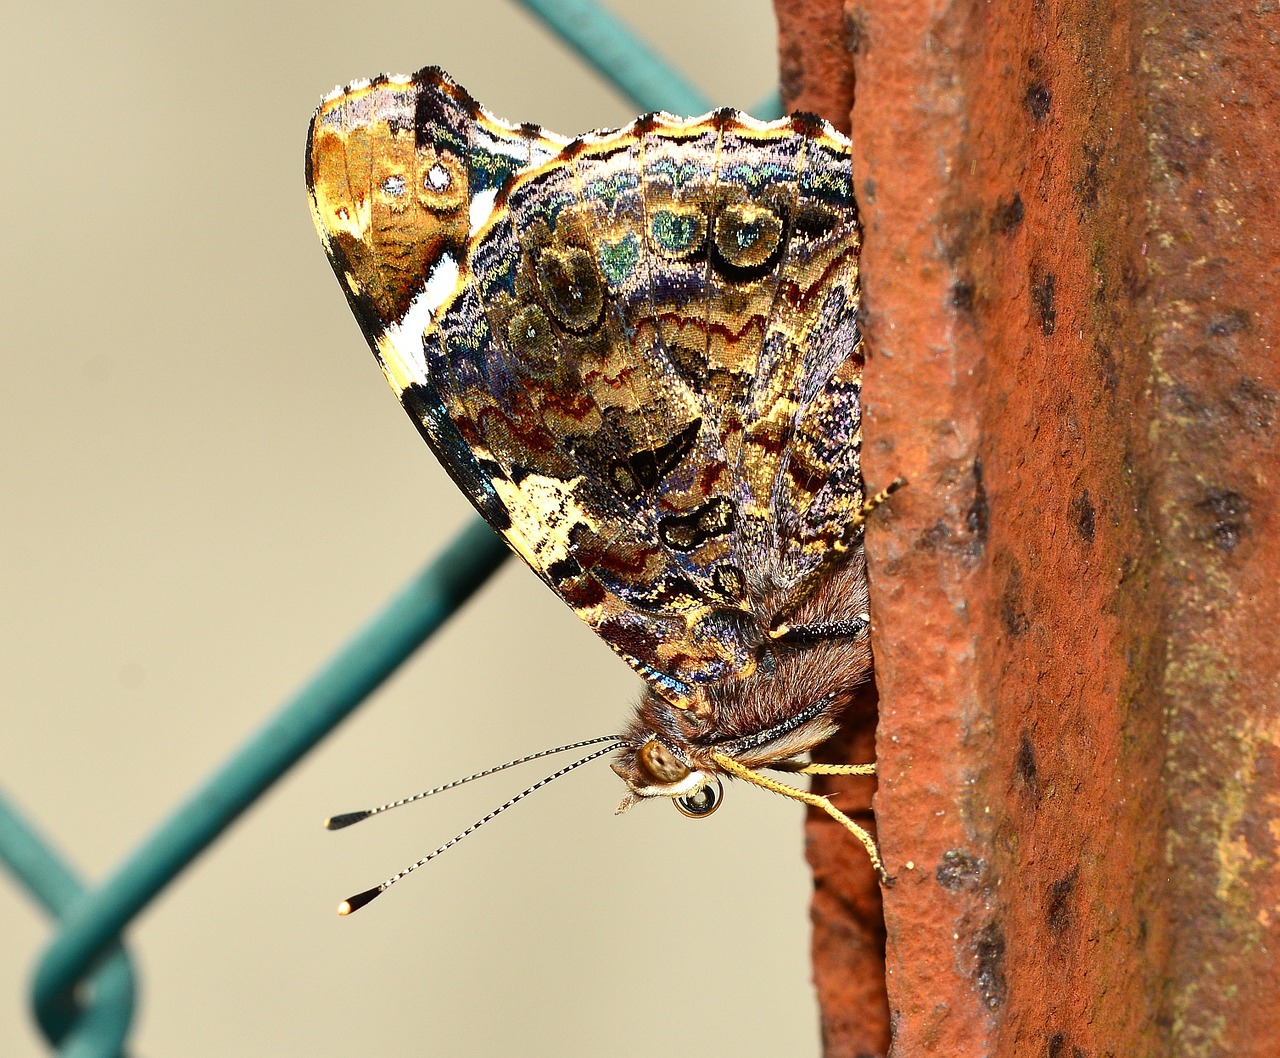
(623, 373)
(401, 172)
(799, 464)
(603, 457)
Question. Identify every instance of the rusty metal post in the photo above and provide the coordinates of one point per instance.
(816, 74)
(1072, 295)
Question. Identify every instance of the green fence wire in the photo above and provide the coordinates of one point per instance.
(83, 991)
(100, 1028)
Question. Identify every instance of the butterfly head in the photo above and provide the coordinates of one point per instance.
(787, 705)
(656, 768)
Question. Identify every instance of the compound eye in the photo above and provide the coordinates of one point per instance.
(702, 801)
(660, 764)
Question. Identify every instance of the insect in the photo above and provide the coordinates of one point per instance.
(637, 352)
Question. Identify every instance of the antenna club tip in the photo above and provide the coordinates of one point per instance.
(345, 820)
(355, 903)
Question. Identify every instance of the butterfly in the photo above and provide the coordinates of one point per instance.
(637, 353)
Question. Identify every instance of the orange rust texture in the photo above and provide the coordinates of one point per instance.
(817, 42)
(847, 911)
(1213, 244)
(1072, 292)
(815, 71)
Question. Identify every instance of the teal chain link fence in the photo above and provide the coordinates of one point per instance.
(83, 991)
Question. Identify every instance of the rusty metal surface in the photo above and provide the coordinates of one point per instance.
(847, 910)
(815, 45)
(1212, 72)
(1071, 267)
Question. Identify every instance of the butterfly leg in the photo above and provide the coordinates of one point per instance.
(741, 771)
(778, 627)
(806, 635)
(799, 767)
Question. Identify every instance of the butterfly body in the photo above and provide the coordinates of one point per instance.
(790, 704)
(637, 353)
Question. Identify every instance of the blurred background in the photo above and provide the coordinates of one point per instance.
(207, 486)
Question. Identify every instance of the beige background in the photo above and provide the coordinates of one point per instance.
(207, 486)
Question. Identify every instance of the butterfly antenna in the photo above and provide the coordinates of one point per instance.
(354, 903)
(347, 818)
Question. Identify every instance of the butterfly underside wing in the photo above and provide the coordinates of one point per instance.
(637, 353)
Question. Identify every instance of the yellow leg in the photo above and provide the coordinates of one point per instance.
(799, 767)
(864, 512)
(741, 771)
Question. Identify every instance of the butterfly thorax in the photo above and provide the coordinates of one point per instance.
(791, 703)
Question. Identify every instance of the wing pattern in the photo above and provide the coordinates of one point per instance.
(636, 352)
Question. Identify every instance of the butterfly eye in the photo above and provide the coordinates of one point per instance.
(702, 801)
(660, 764)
